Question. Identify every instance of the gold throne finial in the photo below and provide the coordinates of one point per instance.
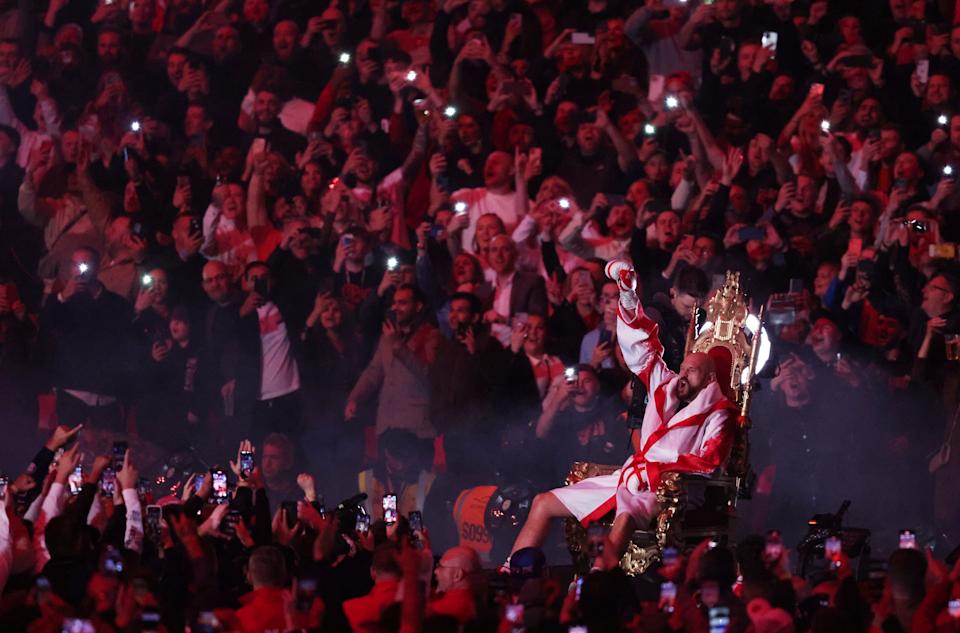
(727, 310)
(726, 320)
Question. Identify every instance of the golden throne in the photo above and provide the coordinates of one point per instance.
(695, 507)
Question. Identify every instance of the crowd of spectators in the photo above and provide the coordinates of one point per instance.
(368, 238)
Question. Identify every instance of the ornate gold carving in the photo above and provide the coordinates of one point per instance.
(637, 559)
(670, 497)
(727, 309)
(727, 315)
(585, 470)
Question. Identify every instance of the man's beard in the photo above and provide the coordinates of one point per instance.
(686, 392)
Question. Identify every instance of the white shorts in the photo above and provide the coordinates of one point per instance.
(592, 498)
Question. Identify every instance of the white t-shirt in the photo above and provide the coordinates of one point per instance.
(279, 374)
(481, 202)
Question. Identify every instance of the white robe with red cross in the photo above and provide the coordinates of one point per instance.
(695, 438)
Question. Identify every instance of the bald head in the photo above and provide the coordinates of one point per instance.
(465, 557)
(216, 282)
(456, 567)
(697, 371)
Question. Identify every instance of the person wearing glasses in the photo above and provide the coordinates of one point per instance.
(455, 588)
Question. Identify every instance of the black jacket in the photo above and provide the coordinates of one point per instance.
(88, 342)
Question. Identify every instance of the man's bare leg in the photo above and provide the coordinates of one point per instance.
(546, 507)
(620, 532)
(623, 528)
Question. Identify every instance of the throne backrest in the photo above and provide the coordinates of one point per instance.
(727, 336)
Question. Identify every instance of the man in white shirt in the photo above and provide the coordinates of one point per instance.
(277, 404)
(496, 196)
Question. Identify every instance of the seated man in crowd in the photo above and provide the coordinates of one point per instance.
(687, 426)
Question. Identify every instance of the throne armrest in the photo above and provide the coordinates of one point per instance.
(585, 470)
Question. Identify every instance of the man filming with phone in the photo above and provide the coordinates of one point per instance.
(577, 425)
(88, 335)
(184, 264)
(277, 405)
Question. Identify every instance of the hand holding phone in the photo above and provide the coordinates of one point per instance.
(719, 619)
(582, 38)
(769, 41)
(306, 593)
(668, 597)
(416, 521)
(75, 480)
(514, 613)
(261, 286)
(117, 454)
(229, 524)
(749, 233)
(363, 524)
(246, 463)
(908, 539)
(108, 482)
(220, 492)
(152, 526)
(290, 513)
(389, 509)
(774, 547)
(596, 539)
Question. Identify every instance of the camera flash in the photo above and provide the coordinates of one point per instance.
(460, 207)
(564, 203)
(135, 126)
(947, 170)
(825, 126)
(147, 280)
(82, 267)
(412, 75)
(942, 119)
(570, 372)
(649, 129)
(344, 58)
(450, 112)
(672, 103)
(392, 263)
